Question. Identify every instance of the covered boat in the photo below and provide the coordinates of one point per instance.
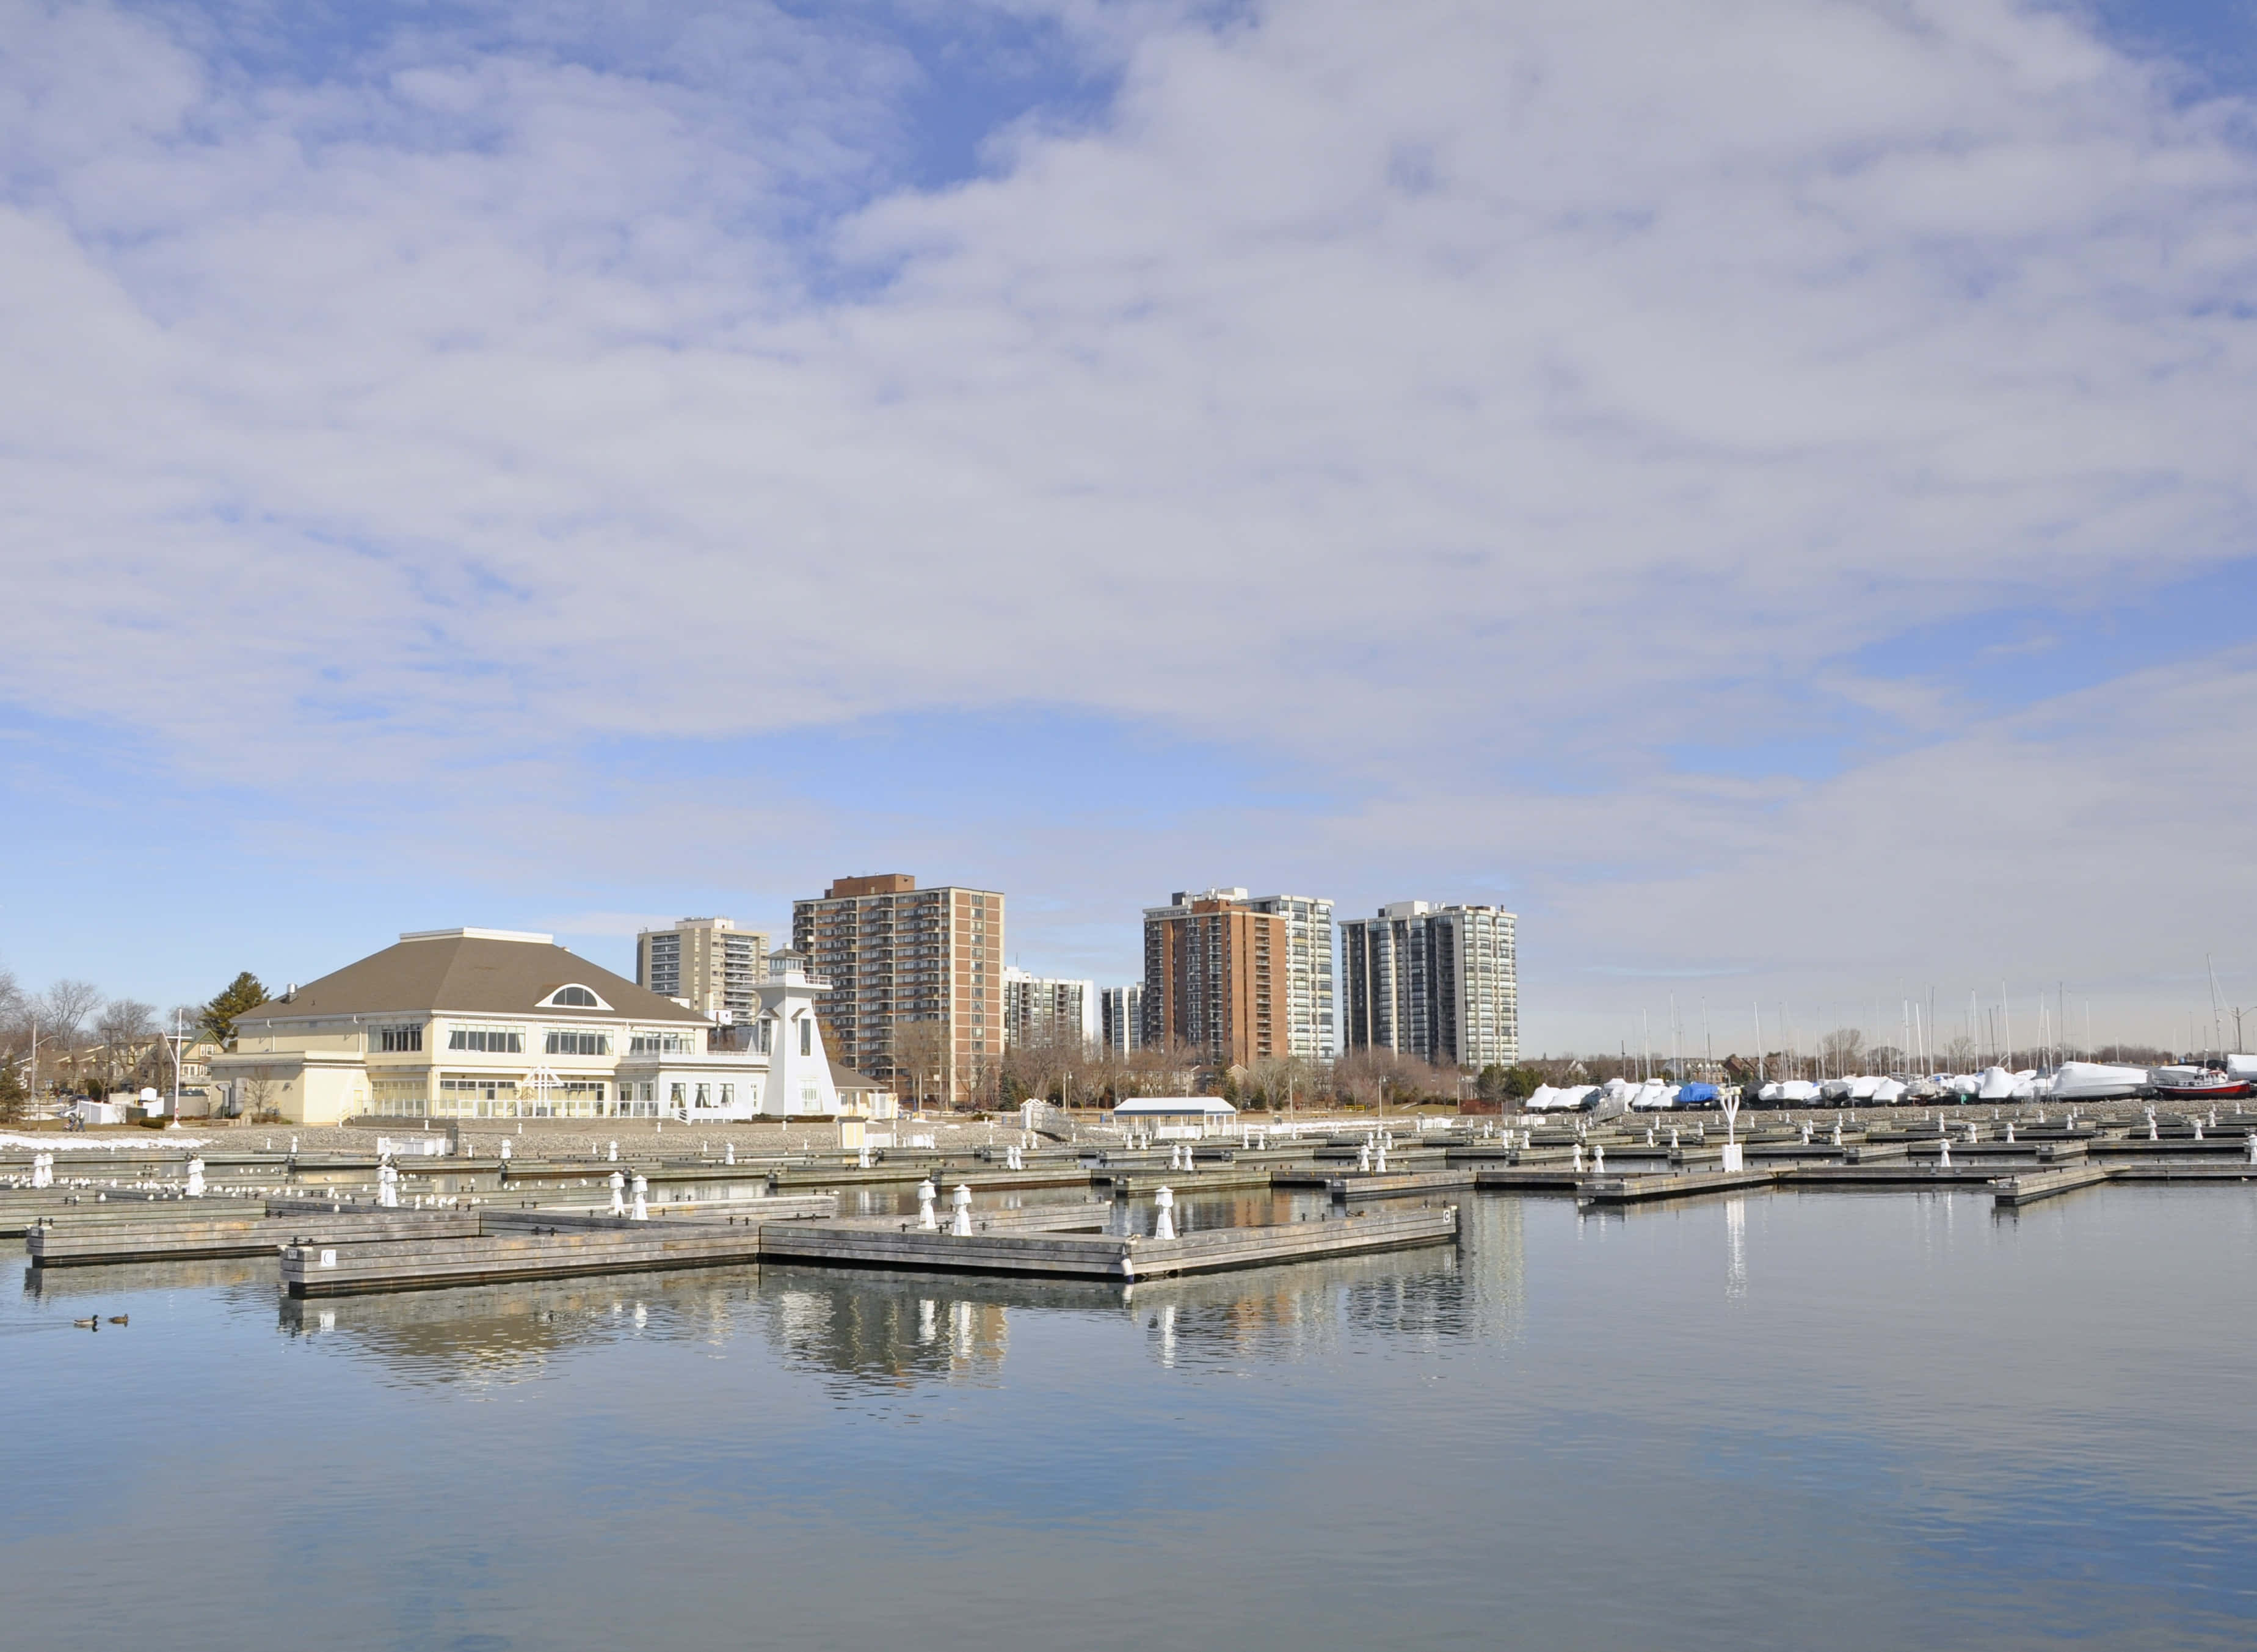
(2092, 1081)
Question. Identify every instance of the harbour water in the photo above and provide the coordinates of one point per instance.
(1788, 1420)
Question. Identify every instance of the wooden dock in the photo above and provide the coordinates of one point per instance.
(908, 1248)
(70, 1243)
(2012, 1192)
(477, 1259)
(1648, 1189)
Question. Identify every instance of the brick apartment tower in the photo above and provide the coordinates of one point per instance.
(1214, 977)
(900, 958)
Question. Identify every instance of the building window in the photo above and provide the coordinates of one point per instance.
(807, 1035)
(728, 1095)
(397, 1041)
(676, 1097)
(579, 1044)
(575, 997)
(494, 1041)
(659, 1044)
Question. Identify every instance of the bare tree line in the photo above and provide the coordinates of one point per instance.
(82, 1038)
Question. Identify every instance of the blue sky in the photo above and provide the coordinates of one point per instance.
(1759, 487)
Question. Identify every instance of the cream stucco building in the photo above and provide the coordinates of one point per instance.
(500, 1024)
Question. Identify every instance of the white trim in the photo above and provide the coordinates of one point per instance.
(529, 936)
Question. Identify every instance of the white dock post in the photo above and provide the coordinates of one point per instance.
(1579, 1158)
(961, 1228)
(196, 1178)
(728, 1153)
(1944, 1153)
(614, 1154)
(1380, 1163)
(1599, 1158)
(1362, 1157)
(618, 1194)
(1164, 1219)
(2010, 1133)
(926, 1193)
(642, 1210)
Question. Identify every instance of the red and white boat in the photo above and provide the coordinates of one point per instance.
(2198, 1084)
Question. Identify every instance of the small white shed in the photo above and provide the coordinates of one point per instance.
(1176, 1116)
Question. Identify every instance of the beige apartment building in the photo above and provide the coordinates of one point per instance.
(501, 1024)
(917, 977)
(708, 964)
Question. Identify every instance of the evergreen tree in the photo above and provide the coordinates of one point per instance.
(12, 1094)
(241, 993)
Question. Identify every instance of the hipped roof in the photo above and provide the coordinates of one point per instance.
(1154, 1105)
(470, 975)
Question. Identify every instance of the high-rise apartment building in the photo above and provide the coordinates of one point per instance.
(1121, 1019)
(917, 977)
(1039, 1011)
(1439, 983)
(1310, 1024)
(710, 964)
(1214, 977)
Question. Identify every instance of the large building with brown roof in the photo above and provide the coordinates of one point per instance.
(501, 1024)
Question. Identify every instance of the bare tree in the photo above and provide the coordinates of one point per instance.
(64, 1009)
(919, 1050)
(124, 1029)
(256, 1088)
(1840, 1052)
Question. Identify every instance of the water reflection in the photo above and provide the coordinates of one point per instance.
(1735, 1249)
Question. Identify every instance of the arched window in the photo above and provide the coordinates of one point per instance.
(573, 998)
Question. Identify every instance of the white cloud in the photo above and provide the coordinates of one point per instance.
(1440, 393)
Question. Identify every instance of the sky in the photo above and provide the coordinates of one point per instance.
(1762, 490)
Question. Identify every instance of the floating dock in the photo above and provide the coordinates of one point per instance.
(904, 1246)
(70, 1243)
(349, 1269)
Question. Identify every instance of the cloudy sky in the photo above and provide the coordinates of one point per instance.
(1763, 489)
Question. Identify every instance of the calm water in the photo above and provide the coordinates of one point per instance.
(1881, 1421)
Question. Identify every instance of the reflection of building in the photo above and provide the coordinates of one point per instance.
(1039, 1012)
(710, 964)
(918, 979)
(1438, 982)
(496, 1024)
(1121, 1019)
(893, 1332)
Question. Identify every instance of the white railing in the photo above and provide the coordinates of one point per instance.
(412, 1146)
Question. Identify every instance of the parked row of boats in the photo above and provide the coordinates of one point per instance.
(2232, 1078)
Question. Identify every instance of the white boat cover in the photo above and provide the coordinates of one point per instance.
(1836, 1088)
(2024, 1087)
(1864, 1089)
(2093, 1081)
(1886, 1091)
(1798, 1090)
(1769, 1092)
(2242, 1066)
